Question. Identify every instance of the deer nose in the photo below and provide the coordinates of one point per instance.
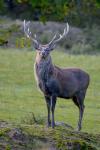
(43, 53)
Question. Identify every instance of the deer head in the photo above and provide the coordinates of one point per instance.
(44, 50)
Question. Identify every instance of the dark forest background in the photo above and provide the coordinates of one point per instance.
(83, 17)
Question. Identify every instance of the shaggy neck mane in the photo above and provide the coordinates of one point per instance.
(44, 69)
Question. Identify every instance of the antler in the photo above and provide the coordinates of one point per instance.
(54, 40)
(29, 34)
(52, 43)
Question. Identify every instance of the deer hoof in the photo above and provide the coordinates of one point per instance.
(78, 129)
(53, 125)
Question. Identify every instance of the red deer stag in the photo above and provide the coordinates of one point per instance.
(57, 82)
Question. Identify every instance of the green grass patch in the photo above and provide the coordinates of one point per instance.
(19, 96)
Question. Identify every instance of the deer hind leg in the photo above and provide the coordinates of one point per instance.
(79, 101)
(48, 102)
(53, 103)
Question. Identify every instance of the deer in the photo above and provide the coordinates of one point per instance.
(53, 81)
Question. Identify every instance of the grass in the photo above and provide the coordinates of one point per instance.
(19, 96)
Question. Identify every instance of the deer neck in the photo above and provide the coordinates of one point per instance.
(44, 69)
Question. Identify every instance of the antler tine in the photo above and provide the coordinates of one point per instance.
(53, 39)
(28, 32)
(26, 28)
(66, 30)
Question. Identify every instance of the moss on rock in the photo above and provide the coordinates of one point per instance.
(27, 137)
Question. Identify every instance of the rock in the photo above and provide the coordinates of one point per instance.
(64, 125)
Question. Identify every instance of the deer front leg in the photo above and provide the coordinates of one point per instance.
(48, 102)
(53, 103)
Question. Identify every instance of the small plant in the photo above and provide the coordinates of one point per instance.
(32, 119)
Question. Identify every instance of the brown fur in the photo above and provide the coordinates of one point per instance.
(58, 82)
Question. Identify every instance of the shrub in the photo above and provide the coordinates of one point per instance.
(93, 38)
(81, 48)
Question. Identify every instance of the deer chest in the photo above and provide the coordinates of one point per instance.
(45, 79)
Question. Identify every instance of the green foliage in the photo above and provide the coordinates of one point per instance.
(3, 41)
(76, 12)
(2, 7)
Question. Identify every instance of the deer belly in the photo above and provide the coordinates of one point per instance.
(52, 87)
(67, 92)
